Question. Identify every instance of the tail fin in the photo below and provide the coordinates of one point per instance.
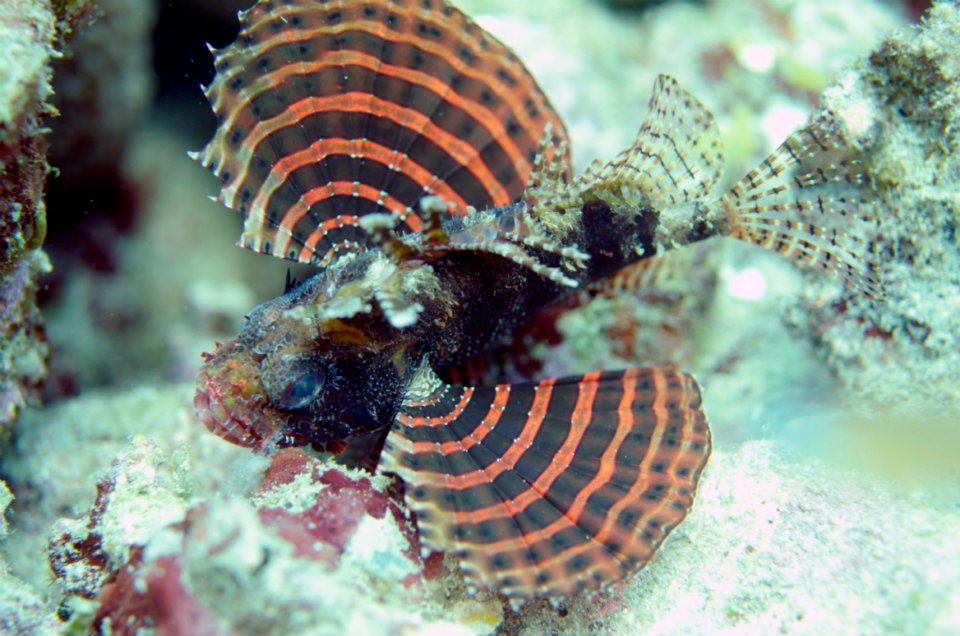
(807, 202)
(552, 488)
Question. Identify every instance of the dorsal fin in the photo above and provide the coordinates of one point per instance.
(331, 110)
(551, 488)
(677, 156)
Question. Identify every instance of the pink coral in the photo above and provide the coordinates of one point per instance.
(155, 591)
(323, 530)
(163, 602)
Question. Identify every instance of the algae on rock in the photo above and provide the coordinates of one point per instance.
(901, 105)
(27, 31)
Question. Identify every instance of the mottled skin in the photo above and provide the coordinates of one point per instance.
(295, 377)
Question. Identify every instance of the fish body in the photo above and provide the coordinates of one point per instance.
(411, 158)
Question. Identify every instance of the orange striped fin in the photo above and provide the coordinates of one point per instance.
(552, 488)
(807, 201)
(677, 156)
(329, 110)
(634, 277)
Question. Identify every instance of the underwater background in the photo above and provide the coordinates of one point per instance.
(831, 503)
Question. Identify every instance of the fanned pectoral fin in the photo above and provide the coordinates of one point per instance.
(552, 488)
(808, 202)
(329, 111)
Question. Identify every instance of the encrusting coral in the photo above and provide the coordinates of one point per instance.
(316, 548)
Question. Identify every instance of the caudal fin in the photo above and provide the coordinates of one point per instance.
(807, 201)
(552, 488)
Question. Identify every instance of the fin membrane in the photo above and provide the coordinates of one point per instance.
(330, 110)
(635, 277)
(552, 488)
(677, 156)
(807, 202)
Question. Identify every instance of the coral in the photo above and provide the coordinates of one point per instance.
(800, 546)
(23, 352)
(337, 505)
(26, 37)
(900, 105)
(84, 552)
(156, 598)
(316, 548)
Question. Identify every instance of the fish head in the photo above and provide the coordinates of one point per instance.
(299, 373)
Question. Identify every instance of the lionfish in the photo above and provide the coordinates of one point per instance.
(410, 157)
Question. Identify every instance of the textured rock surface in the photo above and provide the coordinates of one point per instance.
(902, 105)
(23, 347)
(26, 38)
(786, 544)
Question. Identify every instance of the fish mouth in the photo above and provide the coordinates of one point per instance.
(232, 403)
(208, 403)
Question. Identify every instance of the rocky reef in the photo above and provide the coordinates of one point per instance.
(900, 106)
(27, 32)
(103, 88)
(313, 549)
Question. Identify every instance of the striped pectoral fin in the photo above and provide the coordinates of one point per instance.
(809, 201)
(552, 488)
(330, 110)
(677, 156)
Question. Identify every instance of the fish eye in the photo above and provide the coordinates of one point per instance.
(302, 390)
(293, 381)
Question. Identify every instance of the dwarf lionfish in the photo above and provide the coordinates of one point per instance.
(411, 158)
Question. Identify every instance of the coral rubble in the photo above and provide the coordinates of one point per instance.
(316, 549)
